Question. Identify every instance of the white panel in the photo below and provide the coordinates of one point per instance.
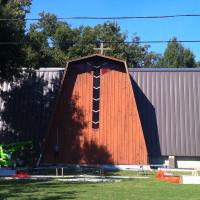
(190, 179)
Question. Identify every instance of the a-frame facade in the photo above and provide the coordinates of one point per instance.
(96, 119)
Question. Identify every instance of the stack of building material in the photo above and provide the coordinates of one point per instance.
(180, 179)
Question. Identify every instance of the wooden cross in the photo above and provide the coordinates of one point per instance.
(102, 48)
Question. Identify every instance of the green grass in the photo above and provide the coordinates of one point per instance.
(90, 172)
(130, 173)
(132, 189)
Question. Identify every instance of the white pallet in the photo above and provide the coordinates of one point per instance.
(190, 179)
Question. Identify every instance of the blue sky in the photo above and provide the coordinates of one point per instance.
(148, 29)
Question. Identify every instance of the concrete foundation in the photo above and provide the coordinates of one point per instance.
(176, 162)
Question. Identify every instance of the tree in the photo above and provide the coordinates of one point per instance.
(176, 56)
(53, 42)
(12, 56)
(48, 42)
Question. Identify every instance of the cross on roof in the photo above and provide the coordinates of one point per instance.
(102, 48)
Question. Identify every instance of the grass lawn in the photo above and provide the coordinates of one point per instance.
(131, 189)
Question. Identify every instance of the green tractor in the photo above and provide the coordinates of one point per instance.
(17, 154)
(5, 158)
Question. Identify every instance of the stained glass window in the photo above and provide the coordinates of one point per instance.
(97, 71)
(96, 98)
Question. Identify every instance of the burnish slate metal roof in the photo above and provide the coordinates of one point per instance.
(167, 99)
(26, 106)
(169, 106)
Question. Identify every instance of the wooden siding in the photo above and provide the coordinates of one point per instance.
(119, 139)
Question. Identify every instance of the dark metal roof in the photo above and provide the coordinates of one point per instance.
(167, 99)
(26, 106)
(169, 107)
(164, 69)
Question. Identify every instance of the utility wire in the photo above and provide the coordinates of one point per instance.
(103, 18)
(156, 41)
(109, 42)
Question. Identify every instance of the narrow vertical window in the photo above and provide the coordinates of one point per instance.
(96, 97)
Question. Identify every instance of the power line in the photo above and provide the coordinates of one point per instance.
(109, 42)
(159, 41)
(103, 18)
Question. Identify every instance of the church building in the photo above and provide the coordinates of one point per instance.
(96, 119)
(99, 111)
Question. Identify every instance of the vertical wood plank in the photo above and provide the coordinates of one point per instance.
(120, 127)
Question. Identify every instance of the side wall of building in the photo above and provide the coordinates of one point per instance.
(169, 107)
(26, 106)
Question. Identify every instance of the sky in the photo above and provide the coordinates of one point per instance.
(147, 29)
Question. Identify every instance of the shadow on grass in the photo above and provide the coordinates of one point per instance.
(33, 189)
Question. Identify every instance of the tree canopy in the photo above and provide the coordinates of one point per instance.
(176, 56)
(53, 42)
(12, 56)
(50, 43)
